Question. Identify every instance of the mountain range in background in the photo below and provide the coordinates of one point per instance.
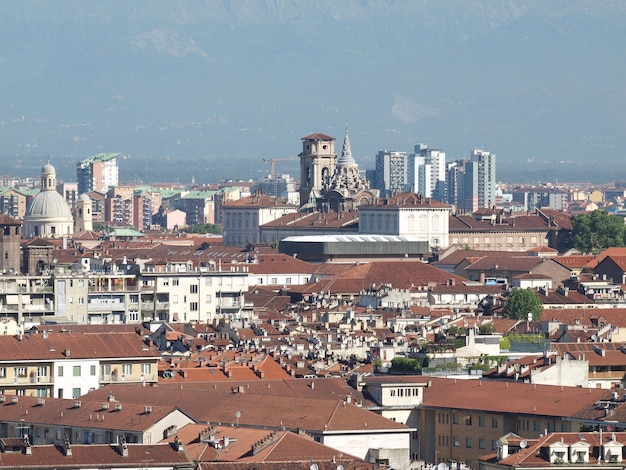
(209, 88)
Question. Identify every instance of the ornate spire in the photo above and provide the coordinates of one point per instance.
(346, 154)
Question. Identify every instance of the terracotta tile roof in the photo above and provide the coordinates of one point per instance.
(91, 414)
(558, 298)
(505, 262)
(56, 346)
(522, 398)
(279, 264)
(317, 136)
(574, 261)
(96, 456)
(536, 453)
(562, 219)
(8, 220)
(212, 405)
(315, 221)
(585, 316)
(455, 257)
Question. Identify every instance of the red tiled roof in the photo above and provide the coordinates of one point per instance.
(212, 405)
(55, 346)
(317, 136)
(522, 398)
(96, 456)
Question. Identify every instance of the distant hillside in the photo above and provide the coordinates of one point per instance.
(209, 88)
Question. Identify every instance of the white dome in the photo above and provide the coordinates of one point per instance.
(49, 204)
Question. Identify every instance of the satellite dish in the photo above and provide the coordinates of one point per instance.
(339, 467)
(442, 466)
(523, 444)
(313, 466)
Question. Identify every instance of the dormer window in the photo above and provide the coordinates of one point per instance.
(580, 456)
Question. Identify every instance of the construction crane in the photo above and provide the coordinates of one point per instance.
(274, 160)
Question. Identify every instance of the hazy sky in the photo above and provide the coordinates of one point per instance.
(210, 88)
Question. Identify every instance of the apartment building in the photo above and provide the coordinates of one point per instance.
(179, 293)
(98, 173)
(67, 365)
(63, 422)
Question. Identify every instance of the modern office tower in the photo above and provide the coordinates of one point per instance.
(98, 173)
(486, 177)
(427, 172)
(391, 172)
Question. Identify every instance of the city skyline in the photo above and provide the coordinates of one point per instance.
(530, 81)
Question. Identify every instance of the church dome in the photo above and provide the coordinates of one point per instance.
(48, 204)
(48, 169)
(48, 214)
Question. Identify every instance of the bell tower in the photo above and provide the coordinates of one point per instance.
(318, 161)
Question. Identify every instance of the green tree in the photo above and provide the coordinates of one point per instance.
(592, 233)
(487, 329)
(405, 364)
(203, 229)
(521, 302)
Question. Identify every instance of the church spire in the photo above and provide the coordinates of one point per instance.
(346, 154)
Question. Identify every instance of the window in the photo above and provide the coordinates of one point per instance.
(274, 280)
(455, 419)
(481, 421)
(174, 282)
(42, 371)
(494, 422)
(76, 392)
(208, 299)
(193, 306)
(468, 442)
(455, 441)
(193, 289)
(288, 280)
(146, 369)
(481, 443)
(127, 369)
(92, 370)
(60, 371)
(81, 300)
(208, 281)
(76, 371)
(133, 316)
(259, 280)
(106, 370)
(3, 372)
(468, 421)
(166, 282)
(20, 372)
(174, 299)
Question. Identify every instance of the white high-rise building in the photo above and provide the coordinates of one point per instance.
(391, 172)
(427, 171)
(486, 177)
